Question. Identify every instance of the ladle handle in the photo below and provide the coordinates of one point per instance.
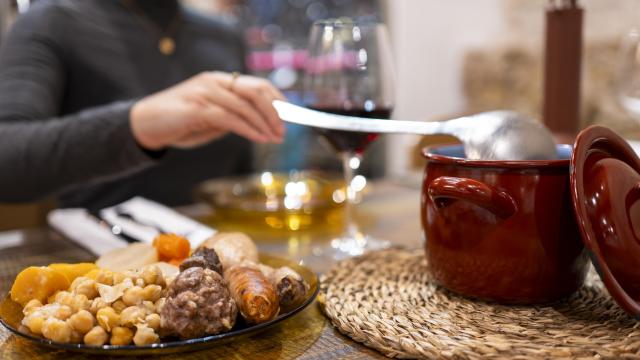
(444, 190)
(303, 116)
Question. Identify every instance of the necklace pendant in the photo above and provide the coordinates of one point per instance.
(166, 46)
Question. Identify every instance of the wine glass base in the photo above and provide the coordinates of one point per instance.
(348, 246)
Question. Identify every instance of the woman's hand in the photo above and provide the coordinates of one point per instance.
(206, 107)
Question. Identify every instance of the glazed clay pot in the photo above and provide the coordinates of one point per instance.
(503, 231)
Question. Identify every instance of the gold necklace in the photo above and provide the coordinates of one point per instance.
(166, 44)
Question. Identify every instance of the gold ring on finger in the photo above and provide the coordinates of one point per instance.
(234, 78)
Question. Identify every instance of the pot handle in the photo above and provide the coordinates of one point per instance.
(446, 189)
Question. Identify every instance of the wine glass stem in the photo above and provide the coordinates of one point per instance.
(350, 163)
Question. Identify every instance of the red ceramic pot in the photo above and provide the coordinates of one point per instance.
(501, 230)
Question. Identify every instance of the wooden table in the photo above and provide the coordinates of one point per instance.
(390, 211)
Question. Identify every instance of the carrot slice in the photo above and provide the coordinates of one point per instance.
(171, 247)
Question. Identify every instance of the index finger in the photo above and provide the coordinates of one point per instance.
(261, 93)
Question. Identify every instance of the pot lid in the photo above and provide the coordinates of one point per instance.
(605, 187)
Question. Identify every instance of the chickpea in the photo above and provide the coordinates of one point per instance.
(97, 304)
(75, 302)
(82, 321)
(152, 292)
(86, 287)
(127, 283)
(31, 306)
(79, 302)
(149, 275)
(139, 282)
(58, 311)
(133, 275)
(152, 275)
(105, 277)
(133, 296)
(160, 304)
(148, 307)
(145, 336)
(161, 280)
(96, 336)
(34, 322)
(118, 277)
(107, 318)
(23, 329)
(61, 312)
(62, 297)
(153, 321)
(132, 315)
(118, 306)
(75, 282)
(56, 330)
(76, 337)
(121, 336)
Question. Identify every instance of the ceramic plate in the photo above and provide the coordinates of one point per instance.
(11, 316)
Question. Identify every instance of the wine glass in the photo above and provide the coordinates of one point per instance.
(350, 72)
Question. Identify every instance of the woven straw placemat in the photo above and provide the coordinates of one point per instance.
(386, 301)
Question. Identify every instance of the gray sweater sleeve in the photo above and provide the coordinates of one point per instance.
(42, 153)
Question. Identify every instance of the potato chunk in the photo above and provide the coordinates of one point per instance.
(134, 256)
(37, 282)
(72, 271)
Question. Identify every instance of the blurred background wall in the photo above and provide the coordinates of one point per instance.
(431, 39)
(452, 57)
(463, 56)
(459, 57)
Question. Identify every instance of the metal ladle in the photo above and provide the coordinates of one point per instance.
(493, 135)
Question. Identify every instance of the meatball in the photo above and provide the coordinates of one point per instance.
(198, 304)
(205, 258)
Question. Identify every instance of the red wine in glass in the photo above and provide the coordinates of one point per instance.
(349, 71)
(351, 141)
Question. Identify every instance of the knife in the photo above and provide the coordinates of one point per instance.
(303, 116)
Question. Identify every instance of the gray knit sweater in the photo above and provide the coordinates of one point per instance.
(70, 71)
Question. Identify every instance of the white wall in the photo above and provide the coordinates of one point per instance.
(430, 38)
